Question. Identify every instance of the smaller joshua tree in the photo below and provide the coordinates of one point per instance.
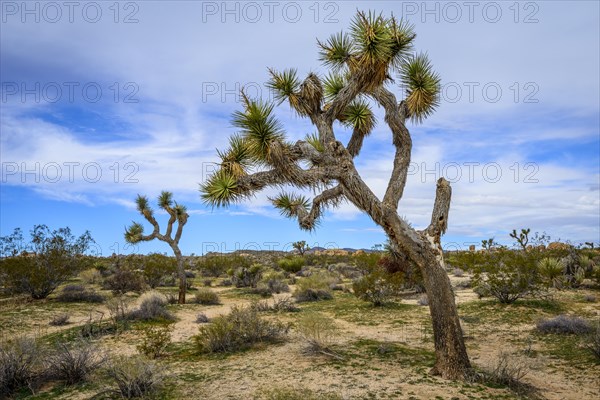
(177, 212)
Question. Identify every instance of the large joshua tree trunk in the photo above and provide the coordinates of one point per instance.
(180, 274)
(362, 62)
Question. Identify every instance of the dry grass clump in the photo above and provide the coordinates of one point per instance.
(239, 329)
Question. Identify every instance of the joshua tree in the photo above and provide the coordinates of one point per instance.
(362, 63)
(177, 212)
(301, 246)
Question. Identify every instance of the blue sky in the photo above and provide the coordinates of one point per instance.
(101, 102)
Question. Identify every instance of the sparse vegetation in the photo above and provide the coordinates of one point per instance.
(206, 297)
(136, 377)
(155, 340)
(73, 363)
(239, 329)
(152, 307)
(564, 324)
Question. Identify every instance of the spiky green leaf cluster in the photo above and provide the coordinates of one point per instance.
(422, 87)
(336, 51)
(259, 128)
(220, 189)
(238, 158)
(134, 232)
(371, 38)
(181, 213)
(289, 203)
(333, 83)
(284, 84)
(374, 45)
(359, 116)
(143, 206)
(314, 141)
(165, 200)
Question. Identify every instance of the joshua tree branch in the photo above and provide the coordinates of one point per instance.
(308, 219)
(343, 98)
(441, 207)
(395, 116)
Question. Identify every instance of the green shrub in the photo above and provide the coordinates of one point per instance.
(125, 280)
(291, 264)
(217, 265)
(314, 288)
(39, 267)
(508, 275)
(378, 287)
(247, 276)
(239, 329)
(551, 270)
(136, 377)
(207, 297)
(91, 276)
(156, 267)
(155, 340)
(152, 307)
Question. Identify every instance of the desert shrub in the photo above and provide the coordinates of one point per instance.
(226, 282)
(295, 394)
(284, 304)
(156, 267)
(592, 342)
(551, 270)
(118, 309)
(318, 333)
(155, 340)
(48, 260)
(136, 377)
(459, 273)
(463, 284)
(402, 271)
(218, 265)
(277, 286)
(79, 294)
(91, 276)
(507, 275)
(123, 281)
(73, 363)
(313, 288)
(171, 298)
(207, 282)
(423, 300)
(564, 324)
(206, 297)
(378, 286)
(262, 290)
(590, 298)
(239, 329)
(291, 264)
(152, 307)
(509, 372)
(247, 276)
(201, 318)
(19, 365)
(595, 274)
(60, 319)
